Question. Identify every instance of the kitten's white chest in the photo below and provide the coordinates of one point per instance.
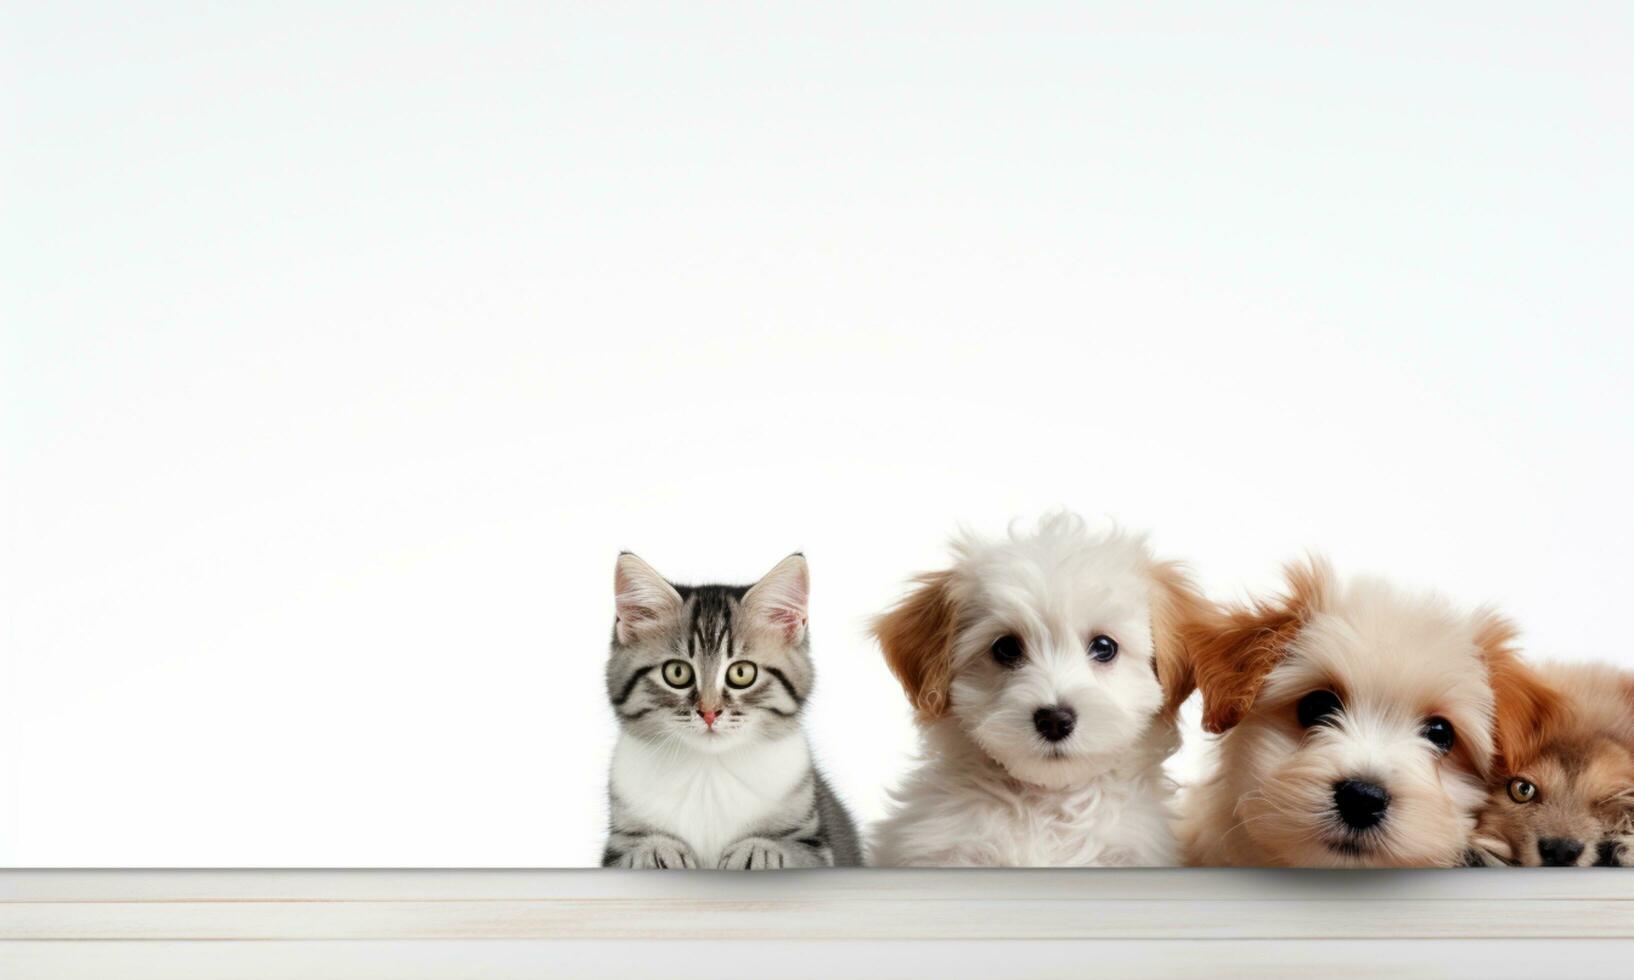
(707, 800)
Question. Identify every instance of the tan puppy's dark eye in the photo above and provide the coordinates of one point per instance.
(1317, 708)
(1438, 732)
(677, 673)
(741, 674)
(1522, 791)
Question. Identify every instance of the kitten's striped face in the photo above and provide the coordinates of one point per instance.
(709, 665)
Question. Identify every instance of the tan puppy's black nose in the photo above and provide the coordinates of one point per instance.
(1360, 804)
(1559, 852)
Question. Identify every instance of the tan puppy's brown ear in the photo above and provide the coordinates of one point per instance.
(1176, 606)
(1526, 709)
(1233, 649)
(917, 637)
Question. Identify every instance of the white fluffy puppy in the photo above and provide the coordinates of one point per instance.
(1045, 671)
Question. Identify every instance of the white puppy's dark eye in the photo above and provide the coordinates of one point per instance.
(1438, 732)
(1317, 708)
(677, 673)
(1007, 650)
(1102, 649)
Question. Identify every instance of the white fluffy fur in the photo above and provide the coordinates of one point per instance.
(989, 790)
(708, 799)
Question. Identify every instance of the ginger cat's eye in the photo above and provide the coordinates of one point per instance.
(741, 674)
(1522, 791)
(677, 673)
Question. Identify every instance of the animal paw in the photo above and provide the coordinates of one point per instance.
(756, 854)
(1616, 852)
(1489, 852)
(661, 854)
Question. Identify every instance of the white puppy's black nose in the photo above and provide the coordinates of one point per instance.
(1360, 804)
(1055, 723)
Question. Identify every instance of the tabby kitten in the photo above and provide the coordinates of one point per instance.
(712, 769)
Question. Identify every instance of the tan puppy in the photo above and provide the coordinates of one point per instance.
(1361, 724)
(1572, 803)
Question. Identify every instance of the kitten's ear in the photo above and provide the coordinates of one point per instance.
(1177, 606)
(778, 601)
(1525, 709)
(1233, 649)
(645, 602)
(917, 637)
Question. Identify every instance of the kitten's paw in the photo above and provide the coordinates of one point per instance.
(659, 854)
(757, 854)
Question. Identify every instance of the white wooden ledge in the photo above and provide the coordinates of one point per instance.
(1476, 922)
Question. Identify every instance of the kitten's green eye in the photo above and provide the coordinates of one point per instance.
(741, 673)
(1521, 791)
(677, 673)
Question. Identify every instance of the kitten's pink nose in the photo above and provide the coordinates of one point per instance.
(708, 716)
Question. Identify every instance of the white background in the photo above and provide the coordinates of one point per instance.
(344, 348)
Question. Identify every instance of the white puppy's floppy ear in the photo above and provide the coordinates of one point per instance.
(778, 602)
(1176, 606)
(917, 637)
(645, 602)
